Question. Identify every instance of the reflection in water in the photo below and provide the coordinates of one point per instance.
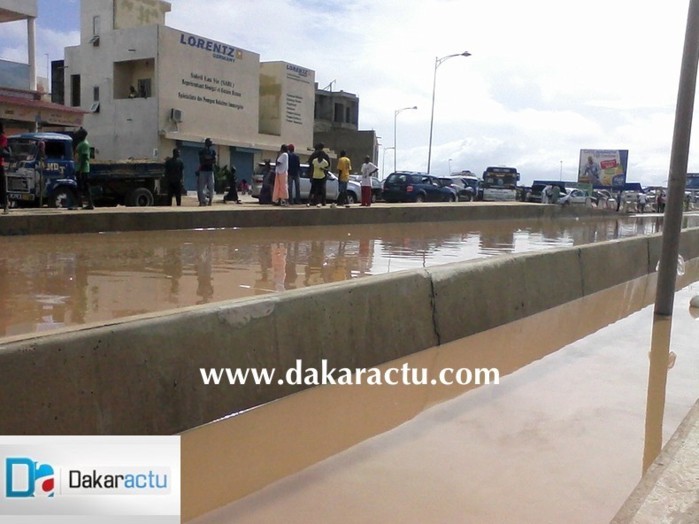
(53, 281)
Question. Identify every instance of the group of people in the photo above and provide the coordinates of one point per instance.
(281, 185)
(284, 179)
(174, 175)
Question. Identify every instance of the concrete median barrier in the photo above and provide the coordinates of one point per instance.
(142, 376)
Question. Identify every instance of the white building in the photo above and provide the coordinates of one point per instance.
(150, 88)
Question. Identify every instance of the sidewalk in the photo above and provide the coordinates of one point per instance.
(669, 491)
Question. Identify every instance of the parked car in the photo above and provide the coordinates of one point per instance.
(575, 196)
(534, 193)
(354, 190)
(467, 187)
(376, 186)
(449, 183)
(411, 186)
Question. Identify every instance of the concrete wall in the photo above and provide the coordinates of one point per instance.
(142, 376)
(163, 218)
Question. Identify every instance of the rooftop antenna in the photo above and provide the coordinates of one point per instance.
(329, 87)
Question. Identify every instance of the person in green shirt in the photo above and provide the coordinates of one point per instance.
(82, 154)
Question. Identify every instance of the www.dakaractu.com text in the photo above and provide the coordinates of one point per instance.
(327, 375)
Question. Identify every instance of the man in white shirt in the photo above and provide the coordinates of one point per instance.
(368, 170)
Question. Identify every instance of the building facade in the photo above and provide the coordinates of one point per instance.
(23, 104)
(336, 126)
(149, 88)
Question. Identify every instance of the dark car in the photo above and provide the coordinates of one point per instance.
(534, 193)
(411, 186)
(466, 187)
(376, 186)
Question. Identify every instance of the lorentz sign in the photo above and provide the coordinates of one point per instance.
(218, 50)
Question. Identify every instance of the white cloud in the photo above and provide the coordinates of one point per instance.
(545, 79)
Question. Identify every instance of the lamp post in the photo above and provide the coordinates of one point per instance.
(437, 62)
(449, 167)
(395, 148)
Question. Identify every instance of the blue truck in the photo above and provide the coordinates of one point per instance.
(42, 172)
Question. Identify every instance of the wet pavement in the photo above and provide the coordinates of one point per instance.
(49, 282)
(560, 439)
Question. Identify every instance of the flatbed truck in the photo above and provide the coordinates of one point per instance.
(42, 172)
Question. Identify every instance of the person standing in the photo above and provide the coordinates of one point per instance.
(318, 184)
(174, 174)
(205, 182)
(555, 194)
(641, 202)
(280, 195)
(294, 174)
(344, 166)
(546, 194)
(82, 153)
(368, 170)
(4, 154)
(320, 166)
(267, 183)
(232, 195)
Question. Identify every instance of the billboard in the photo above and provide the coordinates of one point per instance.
(603, 167)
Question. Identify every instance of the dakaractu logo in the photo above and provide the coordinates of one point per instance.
(26, 478)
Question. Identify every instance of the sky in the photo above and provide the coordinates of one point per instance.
(545, 78)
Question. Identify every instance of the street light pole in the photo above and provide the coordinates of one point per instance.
(437, 62)
(395, 148)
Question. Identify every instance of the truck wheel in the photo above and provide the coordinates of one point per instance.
(63, 197)
(139, 197)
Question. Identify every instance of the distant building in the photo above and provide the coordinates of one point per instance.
(149, 88)
(22, 103)
(337, 126)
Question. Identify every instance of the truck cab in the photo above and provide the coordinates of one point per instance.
(41, 170)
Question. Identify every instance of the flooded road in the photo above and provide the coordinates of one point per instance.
(48, 282)
(559, 439)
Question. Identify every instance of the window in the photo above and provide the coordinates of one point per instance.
(337, 117)
(75, 90)
(96, 94)
(55, 149)
(348, 115)
(144, 88)
(95, 25)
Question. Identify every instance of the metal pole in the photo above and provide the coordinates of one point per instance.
(395, 147)
(437, 62)
(434, 88)
(672, 226)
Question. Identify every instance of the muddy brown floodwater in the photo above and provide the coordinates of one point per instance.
(49, 282)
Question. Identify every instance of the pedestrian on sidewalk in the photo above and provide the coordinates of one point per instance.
(294, 176)
(205, 182)
(368, 170)
(174, 174)
(280, 195)
(344, 167)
